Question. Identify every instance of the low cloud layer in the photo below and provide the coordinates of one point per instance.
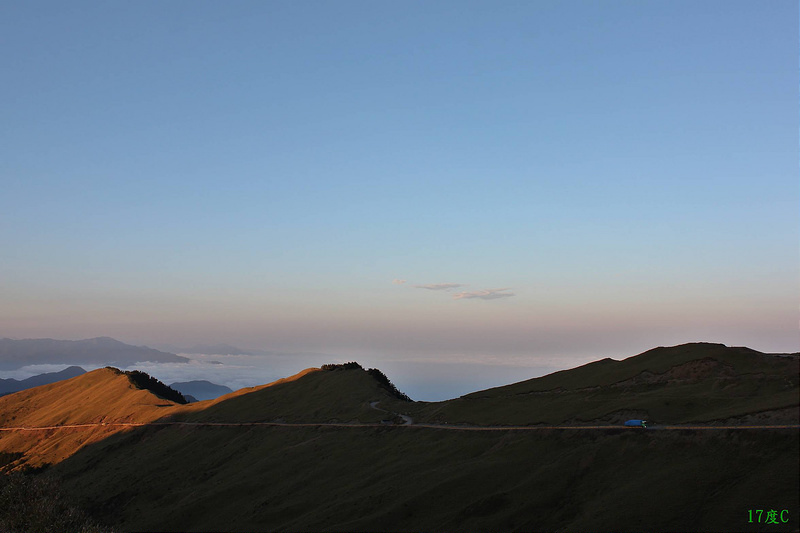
(398, 281)
(440, 286)
(485, 294)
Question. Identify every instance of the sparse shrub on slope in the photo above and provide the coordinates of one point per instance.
(352, 365)
(379, 376)
(145, 381)
(37, 504)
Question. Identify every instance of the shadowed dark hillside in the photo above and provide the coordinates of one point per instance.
(688, 383)
(379, 376)
(336, 394)
(37, 504)
(405, 479)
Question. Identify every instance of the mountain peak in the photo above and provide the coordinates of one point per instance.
(9, 386)
(200, 389)
(685, 383)
(104, 339)
(96, 351)
(333, 393)
(376, 374)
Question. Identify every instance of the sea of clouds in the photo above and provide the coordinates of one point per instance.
(422, 378)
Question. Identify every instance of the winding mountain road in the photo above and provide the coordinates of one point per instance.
(407, 419)
(411, 426)
(409, 423)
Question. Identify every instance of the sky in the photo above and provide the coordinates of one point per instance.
(461, 193)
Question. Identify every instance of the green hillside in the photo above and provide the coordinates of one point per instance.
(406, 479)
(697, 382)
(314, 395)
(742, 361)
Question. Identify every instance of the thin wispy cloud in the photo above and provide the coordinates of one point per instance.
(440, 286)
(485, 294)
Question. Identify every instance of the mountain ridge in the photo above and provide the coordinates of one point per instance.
(97, 397)
(201, 389)
(703, 386)
(16, 354)
(8, 386)
(216, 349)
(337, 454)
(707, 382)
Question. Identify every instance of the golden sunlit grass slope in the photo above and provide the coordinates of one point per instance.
(109, 396)
(104, 395)
(697, 382)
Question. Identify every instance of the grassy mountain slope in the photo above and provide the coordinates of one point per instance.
(104, 395)
(395, 478)
(689, 383)
(405, 479)
(110, 396)
(312, 395)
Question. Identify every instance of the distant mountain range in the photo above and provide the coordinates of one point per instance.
(201, 389)
(16, 354)
(193, 390)
(7, 386)
(211, 349)
(339, 449)
(216, 349)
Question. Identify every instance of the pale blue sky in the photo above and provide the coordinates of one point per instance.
(259, 172)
